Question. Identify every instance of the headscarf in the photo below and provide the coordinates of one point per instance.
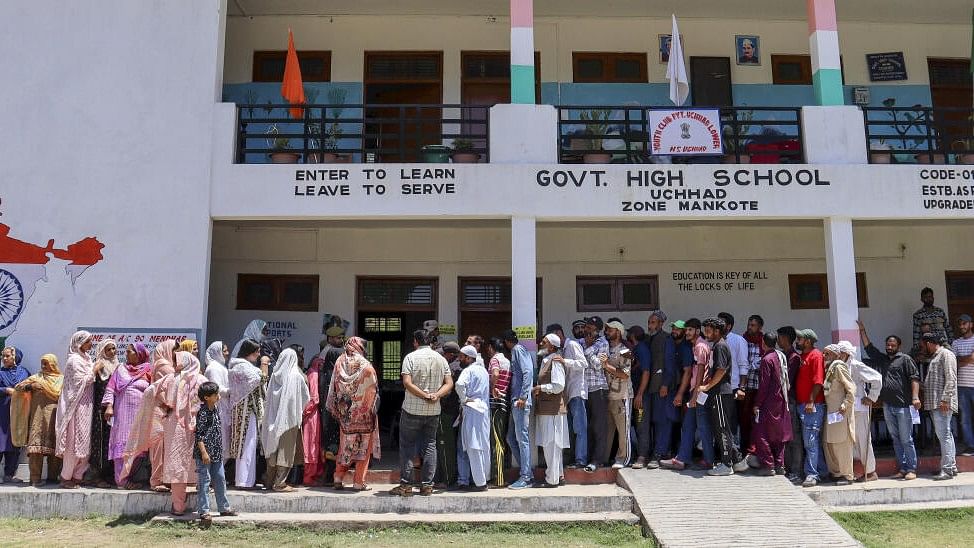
(143, 368)
(182, 396)
(214, 353)
(352, 371)
(109, 363)
(287, 396)
(187, 345)
(162, 356)
(837, 368)
(255, 331)
(245, 377)
(49, 379)
(79, 375)
(48, 382)
(79, 338)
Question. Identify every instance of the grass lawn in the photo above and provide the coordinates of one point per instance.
(941, 528)
(129, 532)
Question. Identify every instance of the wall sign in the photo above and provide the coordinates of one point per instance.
(124, 336)
(719, 281)
(886, 67)
(685, 132)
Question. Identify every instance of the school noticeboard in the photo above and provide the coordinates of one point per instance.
(687, 132)
(149, 337)
(886, 67)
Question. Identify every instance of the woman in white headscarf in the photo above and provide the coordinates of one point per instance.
(73, 419)
(100, 470)
(246, 412)
(178, 394)
(280, 436)
(254, 332)
(216, 371)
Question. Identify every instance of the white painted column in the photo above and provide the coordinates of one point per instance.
(840, 260)
(523, 277)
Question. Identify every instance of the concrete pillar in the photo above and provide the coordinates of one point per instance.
(823, 39)
(522, 52)
(523, 134)
(524, 297)
(840, 260)
(834, 135)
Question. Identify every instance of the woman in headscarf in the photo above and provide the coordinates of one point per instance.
(11, 374)
(122, 399)
(74, 410)
(146, 434)
(246, 412)
(36, 400)
(253, 332)
(353, 400)
(191, 346)
(311, 427)
(99, 464)
(216, 371)
(280, 436)
(840, 428)
(178, 394)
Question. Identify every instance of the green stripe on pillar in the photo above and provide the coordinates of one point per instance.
(522, 85)
(828, 87)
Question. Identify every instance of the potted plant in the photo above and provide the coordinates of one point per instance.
(905, 125)
(281, 152)
(963, 150)
(880, 153)
(333, 131)
(734, 141)
(463, 152)
(596, 127)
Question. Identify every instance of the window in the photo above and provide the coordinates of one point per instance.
(609, 68)
(811, 291)
(599, 294)
(269, 66)
(277, 292)
(791, 69)
(396, 294)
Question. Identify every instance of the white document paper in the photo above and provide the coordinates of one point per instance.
(915, 415)
(701, 398)
(835, 417)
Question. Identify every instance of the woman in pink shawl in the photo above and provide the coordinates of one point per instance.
(123, 396)
(178, 394)
(353, 400)
(146, 433)
(73, 422)
(311, 429)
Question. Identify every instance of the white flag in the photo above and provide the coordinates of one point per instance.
(676, 69)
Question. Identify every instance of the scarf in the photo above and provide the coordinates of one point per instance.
(214, 353)
(287, 396)
(181, 395)
(352, 378)
(187, 345)
(255, 331)
(783, 375)
(162, 359)
(244, 378)
(109, 363)
(142, 369)
(836, 368)
(47, 382)
(78, 376)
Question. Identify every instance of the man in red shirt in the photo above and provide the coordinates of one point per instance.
(811, 405)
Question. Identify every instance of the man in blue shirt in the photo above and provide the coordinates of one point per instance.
(522, 381)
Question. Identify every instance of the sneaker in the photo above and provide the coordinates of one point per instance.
(780, 471)
(576, 466)
(764, 472)
(810, 481)
(618, 466)
(752, 461)
(741, 466)
(720, 470)
(953, 471)
(639, 464)
(842, 482)
(672, 464)
(521, 484)
(653, 463)
(967, 452)
(943, 475)
(591, 468)
(910, 476)
(403, 490)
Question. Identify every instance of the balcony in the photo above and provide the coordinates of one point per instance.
(346, 133)
(621, 134)
(919, 135)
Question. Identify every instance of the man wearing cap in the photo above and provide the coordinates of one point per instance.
(811, 402)
(432, 328)
(695, 419)
(473, 391)
(578, 331)
(573, 360)
(940, 399)
(616, 362)
(964, 350)
(901, 390)
(869, 383)
(519, 431)
(599, 421)
(840, 430)
(551, 422)
(655, 355)
(446, 434)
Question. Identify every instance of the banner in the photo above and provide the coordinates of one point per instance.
(149, 337)
(687, 132)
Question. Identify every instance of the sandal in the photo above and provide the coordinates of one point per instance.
(338, 486)
(229, 513)
(68, 484)
(160, 489)
(285, 489)
(361, 488)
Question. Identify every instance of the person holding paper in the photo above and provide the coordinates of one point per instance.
(720, 399)
(901, 390)
(695, 420)
(940, 399)
(808, 393)
(617, 363)
(868, 383)
(840, 432)
(772, 422)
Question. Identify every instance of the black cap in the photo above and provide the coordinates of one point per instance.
(931, 337)
(578, 323)
(693, 322)
(596, 321)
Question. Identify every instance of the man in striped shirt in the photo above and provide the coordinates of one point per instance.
(964, 348)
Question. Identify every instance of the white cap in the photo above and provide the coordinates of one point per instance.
(430, 325)
(553, 340)
(469, 351)
(846, 348)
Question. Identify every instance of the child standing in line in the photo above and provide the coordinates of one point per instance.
(209, 455)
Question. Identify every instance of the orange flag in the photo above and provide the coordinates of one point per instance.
(292, 89)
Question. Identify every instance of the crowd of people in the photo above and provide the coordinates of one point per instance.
(678, 394)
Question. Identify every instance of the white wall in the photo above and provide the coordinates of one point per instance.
(557, 37)
(107, 120)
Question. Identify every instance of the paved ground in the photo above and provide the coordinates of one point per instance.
(695, 510)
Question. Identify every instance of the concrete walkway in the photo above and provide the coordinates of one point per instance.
(695, 510)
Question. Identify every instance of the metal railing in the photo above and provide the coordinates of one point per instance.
(621, 134)
(343, 133)
(919, 135)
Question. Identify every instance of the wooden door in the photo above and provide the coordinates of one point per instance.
(398, 133)
(960, 295)
(951, 92)
(484, 306)
(710, 81)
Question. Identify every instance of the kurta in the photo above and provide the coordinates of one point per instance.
(353, 401)
(101, 431)
(43, 409)
(840, 389)
(774, 419)
(179, 426)
(218, 373)
(473, 387)
(74, 408)
(552, 429)
(124, 393)
(9, 378)
(311, 420)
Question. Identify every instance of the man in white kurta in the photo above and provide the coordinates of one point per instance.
(863, 376)
(550, 408)
(473, 451)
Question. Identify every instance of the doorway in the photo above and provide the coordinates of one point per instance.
(710, 81)
(398, 133)
(951, 92)
(485, 306)
(960, 294)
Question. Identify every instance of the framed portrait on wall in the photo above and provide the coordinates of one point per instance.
(664, 46)
(748, 50)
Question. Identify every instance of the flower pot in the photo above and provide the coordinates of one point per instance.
(597, 158)
(927, 158)
(465, 157)
(732, 159)
(880, 158)
(966, 158)
(284, 157)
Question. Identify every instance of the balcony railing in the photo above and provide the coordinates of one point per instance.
(344, 133)
(919, 135)
(609, 134)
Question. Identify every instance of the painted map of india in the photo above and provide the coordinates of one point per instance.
(23, 264)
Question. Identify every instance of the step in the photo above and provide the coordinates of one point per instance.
(572, 476)
(358, 521)
(46, 502)
(889, 491)
(887, 466)
(906, 507)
